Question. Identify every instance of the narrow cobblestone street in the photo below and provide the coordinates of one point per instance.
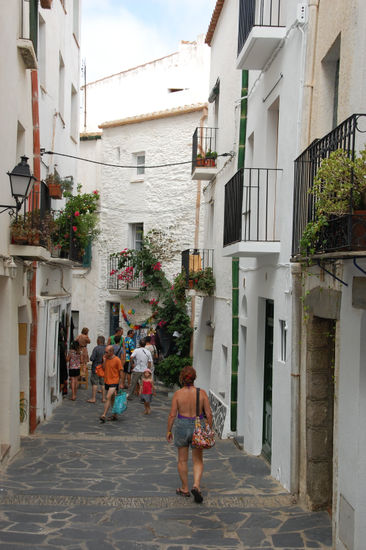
(81, 485)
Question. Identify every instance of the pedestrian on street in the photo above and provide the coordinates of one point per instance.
(119, 348)
(113, 369)
(111, 339)
(129, 349)
(74, 360)
(97, 359)
(183, 415)
(152, 349)
(140, 361)
(147, 390)
(83, 340)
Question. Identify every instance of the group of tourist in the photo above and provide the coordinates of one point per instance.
(119, 365)
(115, 365)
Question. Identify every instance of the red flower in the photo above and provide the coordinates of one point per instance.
(96, 192)
(77, 213)
(157, 266)
(74, 228)
(113, 272)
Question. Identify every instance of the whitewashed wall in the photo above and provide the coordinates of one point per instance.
(146, 88)
(16, 131)
(214, 368)
(163, 199)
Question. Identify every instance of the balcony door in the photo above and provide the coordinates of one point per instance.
(267, 381)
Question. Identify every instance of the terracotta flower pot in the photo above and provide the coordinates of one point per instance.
(55, 191)
(46, 4)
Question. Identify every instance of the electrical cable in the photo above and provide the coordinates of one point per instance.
(43, 152)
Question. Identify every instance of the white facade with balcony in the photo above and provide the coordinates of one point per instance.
(149, 128)
(262, 239)
(33, 41)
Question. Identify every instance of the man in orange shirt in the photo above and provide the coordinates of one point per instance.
(113, 370)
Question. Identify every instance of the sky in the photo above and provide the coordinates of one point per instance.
(119, 34)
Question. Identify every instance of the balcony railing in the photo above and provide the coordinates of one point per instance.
(267, 16)
(194, 259)
(117, 280)
(343, 232)
(204, 149)
(251, 198)
(257, 13)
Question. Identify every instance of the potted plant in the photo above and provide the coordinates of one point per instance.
(202, 281)
(56, 185)
(338, 190)
(18, 230)
(210, 158)
(200, 160)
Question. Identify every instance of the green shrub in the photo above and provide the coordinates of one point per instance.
(168, 369)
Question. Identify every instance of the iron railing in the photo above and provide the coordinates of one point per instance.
(204, 147)
(257, 13)
(250, 212)
(342, 232)
(194, 259)
(115, 282)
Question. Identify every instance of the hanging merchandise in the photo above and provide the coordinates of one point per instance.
(133, 326)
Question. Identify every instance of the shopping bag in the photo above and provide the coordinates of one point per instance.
(120, 402)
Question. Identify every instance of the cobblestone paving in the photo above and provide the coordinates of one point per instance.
(81, 485)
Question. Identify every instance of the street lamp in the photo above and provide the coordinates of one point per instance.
(20, 182)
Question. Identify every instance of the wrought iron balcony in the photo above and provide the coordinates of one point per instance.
(197, 266)
(250, 212)
(122, 279)
(204, 155)
(342, 233)
(260, 32)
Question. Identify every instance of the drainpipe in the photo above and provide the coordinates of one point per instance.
(33, 282)
(235, 267)
(196, 232)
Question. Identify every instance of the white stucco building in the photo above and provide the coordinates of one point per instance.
(296, 392)
(149, 134)
(39, 107)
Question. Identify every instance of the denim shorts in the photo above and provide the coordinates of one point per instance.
(183, 431)
(146, 397)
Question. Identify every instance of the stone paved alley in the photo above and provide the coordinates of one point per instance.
(81, 485)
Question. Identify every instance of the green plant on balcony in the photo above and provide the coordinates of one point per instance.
(78, 221)
(202, 280)
(57, 185)
(339, 189)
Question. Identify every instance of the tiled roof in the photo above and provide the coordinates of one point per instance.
(214, 20)
(153, 116)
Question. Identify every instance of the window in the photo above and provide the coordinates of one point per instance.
(74, 118)
(330, 78)
(76, 17)
(33, 23)
(42, 52)
(136, 233)
(283, 343)
(61, 86)
(140, 161)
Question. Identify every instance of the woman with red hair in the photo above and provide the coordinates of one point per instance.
(183, 415)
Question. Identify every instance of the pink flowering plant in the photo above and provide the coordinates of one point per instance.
(167, 299)
(78, 221)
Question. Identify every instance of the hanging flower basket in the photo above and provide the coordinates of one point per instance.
(55, 190)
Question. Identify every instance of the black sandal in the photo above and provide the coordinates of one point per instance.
(197, 495)
(182, 493)
(102, 419)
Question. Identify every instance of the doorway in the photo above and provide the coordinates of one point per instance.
(320, 359)
(267, 382)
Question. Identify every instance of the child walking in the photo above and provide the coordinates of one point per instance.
(147, 390)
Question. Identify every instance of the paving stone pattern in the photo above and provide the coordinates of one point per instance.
(78, 484)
